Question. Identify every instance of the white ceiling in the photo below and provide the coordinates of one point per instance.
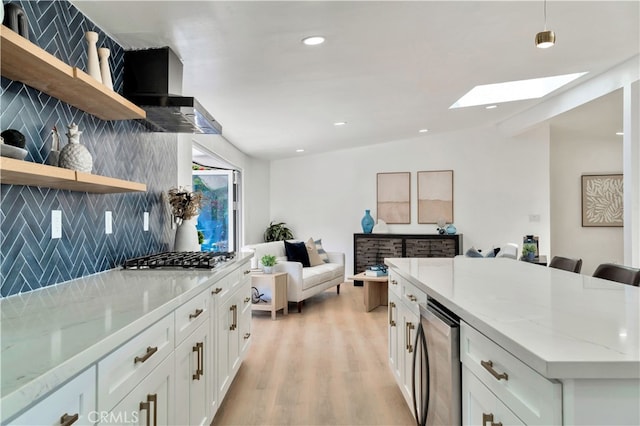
(387, 68)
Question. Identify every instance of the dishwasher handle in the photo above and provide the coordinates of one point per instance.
(419, 352)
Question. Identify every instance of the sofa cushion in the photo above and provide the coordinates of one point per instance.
(320, 274)
(297, 252)
(312, 251)
(321, 252)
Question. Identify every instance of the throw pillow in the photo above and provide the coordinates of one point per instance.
(323, 254)
(297, 252)
(473, 252)
(312, 251)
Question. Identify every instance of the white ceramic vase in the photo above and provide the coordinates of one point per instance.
(186, 236)
(93, 64)
(75, 156)
(105, 72)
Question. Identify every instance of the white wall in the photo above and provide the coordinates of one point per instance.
(498, 182)
(572, 155)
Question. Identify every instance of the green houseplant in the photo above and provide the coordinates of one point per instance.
(277, 232)
(268, 262)
(528, 251)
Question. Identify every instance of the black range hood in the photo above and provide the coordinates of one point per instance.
(153, 81)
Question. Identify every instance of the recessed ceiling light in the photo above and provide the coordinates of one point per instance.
(498, 93)
(491, 106)
(313, 40)
(423, 130)
(619, 133)
(339, 123)
(299, 150)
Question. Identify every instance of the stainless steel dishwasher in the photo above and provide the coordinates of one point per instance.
(436, 367)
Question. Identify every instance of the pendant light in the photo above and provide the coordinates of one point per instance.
(546, 38)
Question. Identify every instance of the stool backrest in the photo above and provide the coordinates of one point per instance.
(567, 264)
(619, 273)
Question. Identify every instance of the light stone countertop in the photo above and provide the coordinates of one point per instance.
(563, 325)
(51, 334)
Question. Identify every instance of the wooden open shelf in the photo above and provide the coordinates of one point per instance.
(18, 172)
(23, 61)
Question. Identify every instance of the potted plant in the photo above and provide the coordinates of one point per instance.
(528, 251)
(268, 262)
(277, 232)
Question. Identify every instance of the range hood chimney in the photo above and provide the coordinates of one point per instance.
(153, 81)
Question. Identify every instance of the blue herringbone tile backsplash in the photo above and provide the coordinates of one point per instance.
(29, 258)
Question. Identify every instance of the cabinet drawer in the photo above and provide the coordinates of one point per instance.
(394, 283)
(76, 399)
(533, 398)
(190, 315)
(125, 367)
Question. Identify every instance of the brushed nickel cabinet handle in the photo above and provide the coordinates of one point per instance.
(488, 365)
(67, 420)
(412, 297)
(196, 314)
(392, 323)
(247, 335)
(143, 358)
(216, 291)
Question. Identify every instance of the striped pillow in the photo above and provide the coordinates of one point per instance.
(323, 254)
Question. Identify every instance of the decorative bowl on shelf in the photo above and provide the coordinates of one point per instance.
(12, 151)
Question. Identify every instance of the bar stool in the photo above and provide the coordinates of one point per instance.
(567, 264)
(619, 273)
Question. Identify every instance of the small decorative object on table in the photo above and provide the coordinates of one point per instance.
(376, 271)
(75, 156)
(93, 63)
(442, 226)
(268, 262)
(367, 222)
(15, 19)
(12, 144)
(451, 229)
(184, 206)
(528, 251)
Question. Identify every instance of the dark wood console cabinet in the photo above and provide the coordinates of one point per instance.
(371, 249)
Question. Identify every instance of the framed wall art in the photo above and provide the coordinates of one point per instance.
(435, 196)
(394, 197)
(602, 200)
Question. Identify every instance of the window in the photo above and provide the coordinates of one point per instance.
(217, 219)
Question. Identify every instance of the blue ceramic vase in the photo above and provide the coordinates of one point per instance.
(451, 229)
(367, 222)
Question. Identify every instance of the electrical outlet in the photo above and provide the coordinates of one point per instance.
(108, 217)
(56, 224)
(534, 218)
(145, 221)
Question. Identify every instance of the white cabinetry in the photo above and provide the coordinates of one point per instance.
(192, 374)
(151, 402)
(481, 407)
(73, 403)
(528, 396)
(404, 318)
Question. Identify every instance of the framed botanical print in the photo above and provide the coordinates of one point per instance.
(435, 196)
(602, 200)
(394, 197)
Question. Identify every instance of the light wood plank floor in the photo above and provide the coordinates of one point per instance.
(325, 366)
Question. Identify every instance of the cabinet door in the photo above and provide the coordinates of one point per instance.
(192, 371)
(409, 331)
(151, 402)
(395, 342)
(224, 338)
(244, 333)
(76, 399)
(480, 406)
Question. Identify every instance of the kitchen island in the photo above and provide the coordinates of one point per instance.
(580, 334)
(51, 335)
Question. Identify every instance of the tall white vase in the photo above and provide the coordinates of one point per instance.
(93, 64)
(105, 72)
(186, 237)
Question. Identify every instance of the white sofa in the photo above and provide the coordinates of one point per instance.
(302, 282)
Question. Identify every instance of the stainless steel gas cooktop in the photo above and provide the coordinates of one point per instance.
(180, 259)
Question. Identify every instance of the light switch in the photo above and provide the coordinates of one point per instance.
(108, 223)
(145, 221)
(56, 224)
(534, 218)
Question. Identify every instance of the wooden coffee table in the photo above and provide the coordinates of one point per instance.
(375, 290)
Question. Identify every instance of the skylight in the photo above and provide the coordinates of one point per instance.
(514, 90)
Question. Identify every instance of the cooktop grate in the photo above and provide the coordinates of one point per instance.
(181, 259)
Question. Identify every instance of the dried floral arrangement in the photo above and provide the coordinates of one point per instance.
(184, 204)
